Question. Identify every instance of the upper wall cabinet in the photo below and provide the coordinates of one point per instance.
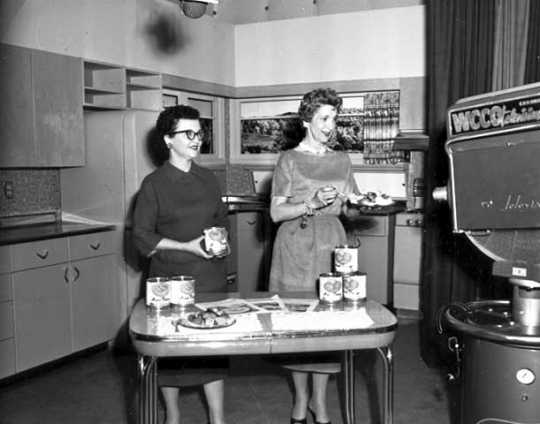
(41, 124)
(112, 87)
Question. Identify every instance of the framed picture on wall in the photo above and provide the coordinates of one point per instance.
(266, 126)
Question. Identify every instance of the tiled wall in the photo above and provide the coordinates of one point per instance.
(33, 191)
(38, 190)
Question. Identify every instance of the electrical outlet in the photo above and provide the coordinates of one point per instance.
(8, 189)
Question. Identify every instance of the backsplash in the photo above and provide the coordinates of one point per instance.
(29, 191)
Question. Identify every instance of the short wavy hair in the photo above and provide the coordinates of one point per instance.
(313, 100)
(169, 117)
(166, 123)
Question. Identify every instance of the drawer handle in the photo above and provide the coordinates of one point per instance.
(95, 246)
(42, 254)
(251, 222)
(77, 273)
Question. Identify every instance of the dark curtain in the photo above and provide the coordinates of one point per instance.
(532, 61)
(460, 39)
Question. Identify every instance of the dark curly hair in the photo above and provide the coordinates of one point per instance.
(165, 124)
(169, 117)
(313, 100)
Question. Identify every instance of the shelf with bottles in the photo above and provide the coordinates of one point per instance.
(143, 89)
(104, 86)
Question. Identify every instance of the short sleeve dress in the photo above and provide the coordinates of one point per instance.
(300, 254)
(179, 205)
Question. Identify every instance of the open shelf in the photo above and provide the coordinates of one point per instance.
(104, 86)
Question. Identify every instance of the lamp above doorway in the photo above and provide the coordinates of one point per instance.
(195, 8)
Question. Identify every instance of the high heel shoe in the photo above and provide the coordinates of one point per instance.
(312, 412)
(297, 421)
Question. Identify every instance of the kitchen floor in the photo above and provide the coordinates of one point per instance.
(100, 387)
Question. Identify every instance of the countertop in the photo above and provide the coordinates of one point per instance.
(34, 232)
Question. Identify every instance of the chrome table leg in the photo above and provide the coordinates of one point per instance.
(388, 384)
(147, 413)
(348, 377)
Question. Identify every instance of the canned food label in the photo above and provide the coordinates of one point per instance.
(215, 239)
(182, 291)
(158, 292)
(345, 259)
(330, 288)
(354, 286)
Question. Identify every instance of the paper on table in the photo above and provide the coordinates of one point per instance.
(268, 304)
(300, 305)
(323, 320)
(245, 324)
(231, 306)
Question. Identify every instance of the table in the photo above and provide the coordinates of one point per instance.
(151, 343)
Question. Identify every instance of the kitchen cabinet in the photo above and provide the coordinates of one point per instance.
(65, 297)
(374, 236)
(41, 124)
(7, 342)
(252, 243)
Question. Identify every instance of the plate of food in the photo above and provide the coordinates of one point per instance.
(209, 319)
(371, 199)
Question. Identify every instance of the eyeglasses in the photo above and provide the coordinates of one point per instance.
(190, 134)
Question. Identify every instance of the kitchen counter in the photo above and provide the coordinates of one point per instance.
(34, 232)
(245, 203)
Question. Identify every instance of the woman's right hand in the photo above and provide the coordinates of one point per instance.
(195, 246)
(324, 196)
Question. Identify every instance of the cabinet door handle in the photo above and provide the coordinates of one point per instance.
(66, 278)
(77, 273)
(42, 254)
(95, 246)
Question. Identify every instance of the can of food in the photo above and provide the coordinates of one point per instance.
(330, 287)
(345, 259)
(215, 240)
(158, 292)
(354, 286)
(182, 290)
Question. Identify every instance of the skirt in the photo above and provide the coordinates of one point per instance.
(182, 372)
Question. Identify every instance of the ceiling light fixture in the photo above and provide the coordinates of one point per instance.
(195, 8)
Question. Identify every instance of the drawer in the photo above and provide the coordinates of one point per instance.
(95, 244)
(247, 221)
(6, 320)
(367, 225)
(7, 357)
(5, 262)
(39, 253)
(6, 292)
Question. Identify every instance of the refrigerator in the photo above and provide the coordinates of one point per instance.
(117, 159)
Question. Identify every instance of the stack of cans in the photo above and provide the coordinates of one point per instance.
(354, 281)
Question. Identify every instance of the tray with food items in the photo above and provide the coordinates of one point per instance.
(211, 318)
(374, 203)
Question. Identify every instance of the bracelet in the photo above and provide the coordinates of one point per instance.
(309, 209)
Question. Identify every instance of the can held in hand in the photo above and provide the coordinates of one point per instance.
(182, 290)
(330, 287)
(345, 259)
(215, 240)
(158, 292)
(354, 286)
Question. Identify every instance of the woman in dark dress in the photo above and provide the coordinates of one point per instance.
(175, 204)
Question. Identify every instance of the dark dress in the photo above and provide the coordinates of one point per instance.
(179, 205)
